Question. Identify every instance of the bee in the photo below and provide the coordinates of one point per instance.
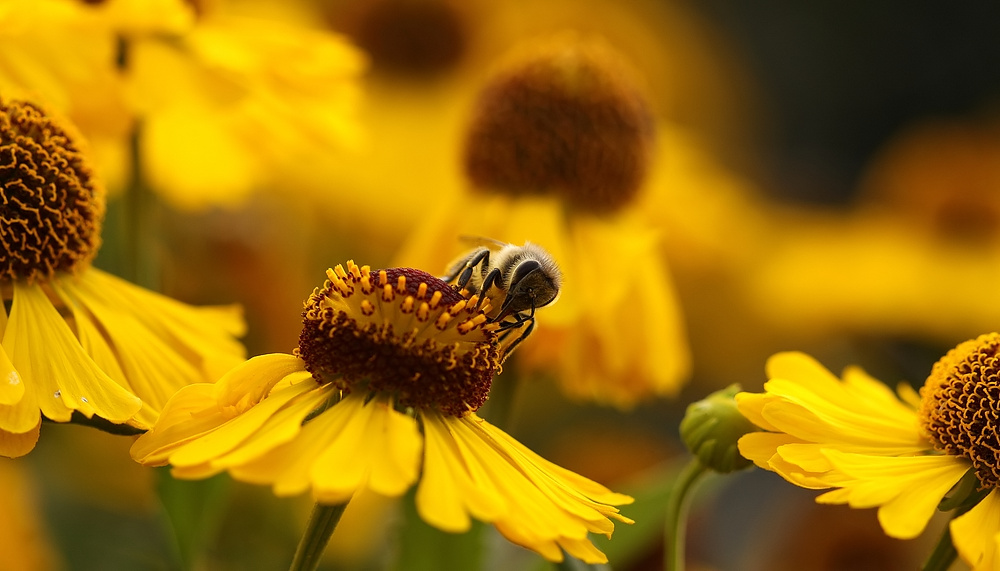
(520, 279)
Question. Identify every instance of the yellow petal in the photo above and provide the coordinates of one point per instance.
(346, 464)
(154, 370)
(794, 365)
(63, 377)
(234, 432)
(976, 534)
(395, 469)
(292, 405)
(200, 408)
(751, 406)
(11, 386)
(185, 417)
(906, 489)
(288, 468)
(453, 486)
(472, 468)
(13, 445)
(205, 336)
(250, 382)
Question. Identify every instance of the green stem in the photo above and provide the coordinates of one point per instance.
(965, 496)
(322, 522)
(944, 553)
(674, 535)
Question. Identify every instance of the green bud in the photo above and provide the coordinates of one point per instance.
(712, 426)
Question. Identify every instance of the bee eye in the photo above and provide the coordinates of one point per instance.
(523, 270)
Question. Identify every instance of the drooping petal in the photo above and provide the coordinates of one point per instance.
(906, 489)
(202, 337)
(13, 445)
(63, 377)
(472, 468)
(350, 446)
(452, 487)
(11, 385)
(154, 370)
(976, 534)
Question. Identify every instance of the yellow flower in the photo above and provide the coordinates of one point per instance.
(61, 52)
(557, 152)
(922, 234)
(75, 339)
(242, 101)
(900, 453)
(413, 360)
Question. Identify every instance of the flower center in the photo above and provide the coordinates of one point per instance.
(407, 37)
(400, 331)
(51, 205)
(960, 405)
(561, 118)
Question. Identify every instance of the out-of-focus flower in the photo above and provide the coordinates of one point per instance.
(242, 101)
(557, 151)
(902, 454)
(428, 59)
(413, 360)
(63, 53)
(918, 254)
(76, 339)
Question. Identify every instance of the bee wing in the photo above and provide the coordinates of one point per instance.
(475, 241)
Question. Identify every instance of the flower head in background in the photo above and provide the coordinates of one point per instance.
(75, 339)
(900, 453)
(381, 395)
(557, 151)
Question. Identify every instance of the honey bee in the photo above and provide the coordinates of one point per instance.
(517, 279)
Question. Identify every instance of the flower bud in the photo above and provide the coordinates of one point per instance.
(712, 426)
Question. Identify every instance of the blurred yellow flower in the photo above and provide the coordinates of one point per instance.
(901, 454)
(63, 53)
(413, 360)
(111, 349)
(243, 101)
(557, 151)
(917, 254)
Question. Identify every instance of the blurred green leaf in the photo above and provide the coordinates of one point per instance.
(194, 510)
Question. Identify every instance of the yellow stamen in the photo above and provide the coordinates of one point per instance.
(407, 305)
(435, 300)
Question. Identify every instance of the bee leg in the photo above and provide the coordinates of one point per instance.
(488, 282)
(527, 324)
(480, 257)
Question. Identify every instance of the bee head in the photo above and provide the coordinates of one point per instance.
(530, 287)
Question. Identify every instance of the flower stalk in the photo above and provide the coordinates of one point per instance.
(322, 523)
(677, 504)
